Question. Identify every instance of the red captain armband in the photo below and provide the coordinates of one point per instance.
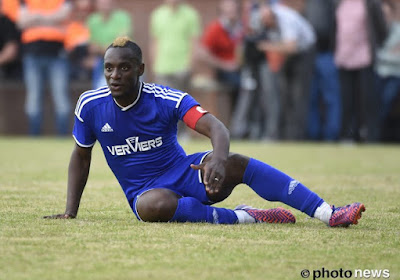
(193, 115)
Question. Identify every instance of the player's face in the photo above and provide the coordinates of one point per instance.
(122, 71)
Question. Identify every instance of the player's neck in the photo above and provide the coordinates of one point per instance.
(127, 99)
(124, 101)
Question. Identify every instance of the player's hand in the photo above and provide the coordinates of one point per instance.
(213, 174)
(60, 216)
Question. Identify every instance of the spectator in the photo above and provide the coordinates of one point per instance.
(162, 183)
(174, 27)
(77, 40)
(9, 47)
(296, 43)
(361, 29)
(257, 113)
(44, 57)
(174, 32)
(221, 44)
(105, 24)
(324, 120)
(388, 61)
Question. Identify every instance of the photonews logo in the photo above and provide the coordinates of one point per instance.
(346, 273)
(134, 145)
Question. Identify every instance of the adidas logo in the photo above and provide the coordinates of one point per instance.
(107, 128)
(215, 217)
(293, 184)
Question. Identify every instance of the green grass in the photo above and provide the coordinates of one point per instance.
(107, 242)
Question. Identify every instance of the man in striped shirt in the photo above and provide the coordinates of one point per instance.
(136, 125)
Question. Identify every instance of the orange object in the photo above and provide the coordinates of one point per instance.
(10, 8)
(45, 33)
(275, 60)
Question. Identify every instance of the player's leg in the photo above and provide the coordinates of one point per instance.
(156, 205)
(164, 205)
(179, 195)
(236, 165)
(274, 185)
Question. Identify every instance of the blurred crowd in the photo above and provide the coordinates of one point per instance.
(323, 70)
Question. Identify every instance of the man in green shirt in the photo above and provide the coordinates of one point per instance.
(105, 24)
(174, 29)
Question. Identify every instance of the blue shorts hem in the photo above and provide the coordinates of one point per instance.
(181, 179)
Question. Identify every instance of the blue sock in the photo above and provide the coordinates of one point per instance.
(274, 185)
(192, 210)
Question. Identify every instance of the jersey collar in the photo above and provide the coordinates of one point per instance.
(133, 103)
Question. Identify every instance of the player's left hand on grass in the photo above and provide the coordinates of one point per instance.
(59, 216)
(213, 174)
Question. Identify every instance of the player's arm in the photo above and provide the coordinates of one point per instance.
(78, 173)
(214, 129)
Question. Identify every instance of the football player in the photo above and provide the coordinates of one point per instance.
(136, 125)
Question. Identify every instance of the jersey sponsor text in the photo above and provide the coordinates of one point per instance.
(133, 145)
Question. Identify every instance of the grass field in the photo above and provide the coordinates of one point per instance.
(107, 242)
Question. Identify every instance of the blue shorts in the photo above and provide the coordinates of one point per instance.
(181, 179)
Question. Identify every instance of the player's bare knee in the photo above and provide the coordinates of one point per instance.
(157, 206)
(160, 211)
(235, 169)
(238, 162)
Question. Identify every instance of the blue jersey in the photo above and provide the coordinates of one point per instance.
(138, 141)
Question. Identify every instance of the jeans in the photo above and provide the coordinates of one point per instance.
(325, 123)
(37, 71)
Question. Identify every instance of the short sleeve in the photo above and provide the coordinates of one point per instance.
(185, 105)
(83, 134)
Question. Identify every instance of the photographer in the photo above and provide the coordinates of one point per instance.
(287, 40)
(258, 108)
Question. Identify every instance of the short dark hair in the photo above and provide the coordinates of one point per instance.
(126, 42)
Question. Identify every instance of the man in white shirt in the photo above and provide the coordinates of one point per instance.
(296, 42)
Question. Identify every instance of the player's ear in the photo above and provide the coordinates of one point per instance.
(141, 69)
